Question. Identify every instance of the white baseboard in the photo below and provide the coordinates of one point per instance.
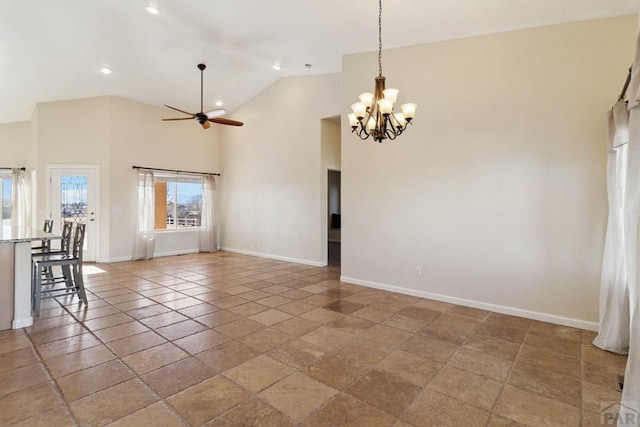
(173, 253)
(22, 323)
(534, 315)
(277, 257)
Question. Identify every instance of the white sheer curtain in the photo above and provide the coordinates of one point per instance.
(631, 393)
(18, 199)
(145, 237)
(614, 291)
(208, 226)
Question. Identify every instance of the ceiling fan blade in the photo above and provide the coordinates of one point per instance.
(177, 118)
(224, 121)
(206, 125)
(179, 110)
(212, 114)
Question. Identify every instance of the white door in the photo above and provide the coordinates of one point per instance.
(74, 197)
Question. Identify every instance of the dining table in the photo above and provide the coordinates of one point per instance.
(15, 274)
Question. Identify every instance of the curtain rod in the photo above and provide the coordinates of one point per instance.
(22, 168)
(176, 171)
(626, 85)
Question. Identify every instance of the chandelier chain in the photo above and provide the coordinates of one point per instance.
(380, 38)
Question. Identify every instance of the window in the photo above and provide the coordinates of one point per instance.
(178, 202)
(5, 198)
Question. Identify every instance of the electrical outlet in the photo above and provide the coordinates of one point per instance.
(418, 271)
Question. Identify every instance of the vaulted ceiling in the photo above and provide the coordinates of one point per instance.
(52, 50)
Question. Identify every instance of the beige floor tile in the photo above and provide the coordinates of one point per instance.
(218, 318)
(177, 376)
(405, 323)
(322, 315)
(386, 335)
(201, 341)
(479, 363)
(258, 373)
(112, 404)
(248, 309)
(297, 326)
(351, 325)
(336, 372)
(296, 307)
(22, 378)
(594, 396)
(554, 344)
(344, 307)
(163, 319)
(73, 362)
(83, 383)
(121, 331)
(58, 417)
(433, 305)
(228, 355)
(240, 328)
(254, 413)
(373, 315)
(180, 329)
(148, 311)
(17, 359)
(471, 312)
(135, 343)
(205, 401)
(449, 327)
(28, 403)
(266, 339)
(467, 387)
(43, 337)
(297, 353)
(274, 301)
(433, 348)
(153, 358)
(530, 409)
(297, 395)
(385, 391)
(345, 411)
(546, 383)
(364, 351)
(327, 338)
(411, 367)
(559, 331)
(270, 317)
(153, 415)
(541, 358)
(435, 409)
(494, 346)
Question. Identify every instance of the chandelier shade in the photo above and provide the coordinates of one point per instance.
(374, 115)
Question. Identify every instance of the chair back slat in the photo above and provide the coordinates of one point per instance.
(65, 243)
(48, 226)
(78, 241)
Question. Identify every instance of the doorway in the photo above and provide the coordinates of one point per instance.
(334, 216)
(73, 196)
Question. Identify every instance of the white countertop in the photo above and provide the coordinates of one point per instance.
(10, 234)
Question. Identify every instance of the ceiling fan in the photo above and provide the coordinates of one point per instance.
(204, 118)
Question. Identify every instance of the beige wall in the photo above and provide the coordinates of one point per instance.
(15, 144)
(497, 192)
(272, 170)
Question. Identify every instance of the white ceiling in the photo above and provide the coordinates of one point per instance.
(51, 50)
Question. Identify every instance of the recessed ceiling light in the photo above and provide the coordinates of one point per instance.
(105, 70)
(152, 10)
(219, 103)
(277, 67)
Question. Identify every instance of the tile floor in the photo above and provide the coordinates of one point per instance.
(231, 340)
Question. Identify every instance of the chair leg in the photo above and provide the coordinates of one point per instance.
(79, 282)
(37, 291)
(68, 279)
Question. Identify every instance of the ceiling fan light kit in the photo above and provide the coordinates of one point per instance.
(204, 118)
(373, 115)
